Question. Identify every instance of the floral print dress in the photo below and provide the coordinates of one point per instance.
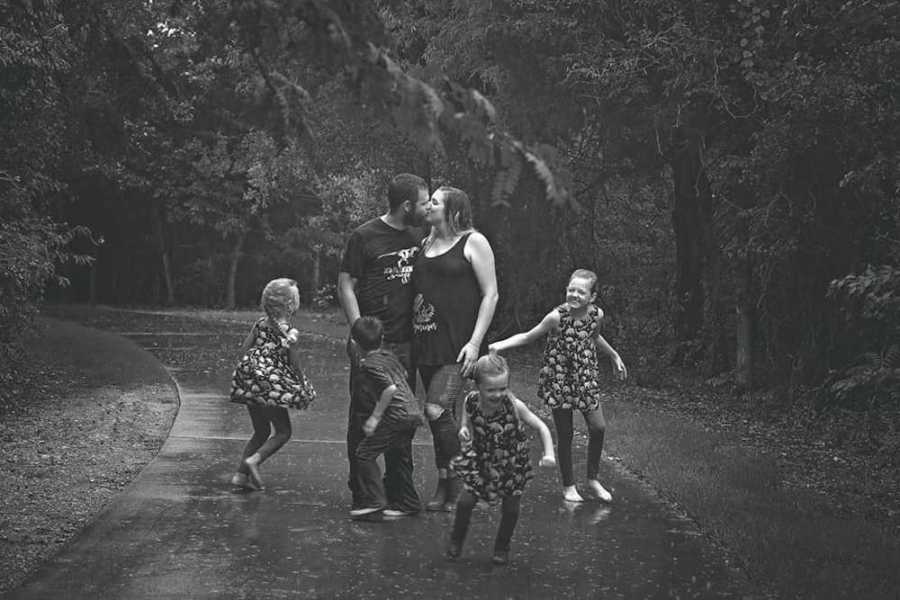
(265, 377)
(570, 375)
(497, 464)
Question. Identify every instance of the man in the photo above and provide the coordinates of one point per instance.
(375, 281)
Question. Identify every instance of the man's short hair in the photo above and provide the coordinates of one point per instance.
(403, 187)
(367, 332)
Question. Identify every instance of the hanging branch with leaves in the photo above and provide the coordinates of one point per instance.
(430, 114)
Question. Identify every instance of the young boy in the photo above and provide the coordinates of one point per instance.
(395, 415)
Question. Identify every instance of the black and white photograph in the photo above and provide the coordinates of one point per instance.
(449, 299)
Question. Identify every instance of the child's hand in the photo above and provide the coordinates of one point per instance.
(292, 335)
(619, 369)
(464, 435)
(547, 461)
(370, 425)
(493, 349)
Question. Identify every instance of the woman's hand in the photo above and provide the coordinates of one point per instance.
(467, 356)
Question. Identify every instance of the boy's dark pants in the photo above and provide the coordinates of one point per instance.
(392, 436)
(509, 516)
(398, 464)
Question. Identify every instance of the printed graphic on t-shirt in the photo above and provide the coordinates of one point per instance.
(423, 319)
(400, 267)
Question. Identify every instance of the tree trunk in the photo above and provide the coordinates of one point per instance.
(744, 357)
(92, 282)
(317, 270)
(236, 253)
(163, 249)
(745, 312)
(691, 217)
(167, 277)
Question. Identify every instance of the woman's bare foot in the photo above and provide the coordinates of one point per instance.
(571, 494)
(252, 464)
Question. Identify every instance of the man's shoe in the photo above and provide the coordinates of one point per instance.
(395, 513)
(501, 557)
(367, 513)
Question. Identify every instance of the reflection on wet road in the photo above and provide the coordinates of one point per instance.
(181, 531)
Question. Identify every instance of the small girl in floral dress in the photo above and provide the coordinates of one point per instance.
(268, 380)
(495, 464)
(570, 377)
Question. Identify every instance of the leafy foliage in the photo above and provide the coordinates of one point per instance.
(708, 159)
(34, 53)
(868, 309)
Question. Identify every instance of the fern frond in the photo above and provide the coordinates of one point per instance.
(891, 359)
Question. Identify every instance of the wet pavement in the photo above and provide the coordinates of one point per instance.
(181, 531)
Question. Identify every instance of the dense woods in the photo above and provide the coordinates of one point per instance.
(729, 168)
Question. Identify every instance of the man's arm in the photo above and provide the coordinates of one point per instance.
(346, 292)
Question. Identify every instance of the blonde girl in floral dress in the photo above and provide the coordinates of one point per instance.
(268, 380)
(495, 463)
(570, 376)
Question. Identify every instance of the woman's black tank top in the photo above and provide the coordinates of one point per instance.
(447, 297)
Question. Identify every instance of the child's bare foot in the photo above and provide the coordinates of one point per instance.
(454, 549)
(241, 480)
(252, 463)
(571, 494)
(599, 491)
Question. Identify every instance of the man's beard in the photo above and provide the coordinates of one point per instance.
(410, 219)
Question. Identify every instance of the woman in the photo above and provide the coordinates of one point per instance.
(455, 296)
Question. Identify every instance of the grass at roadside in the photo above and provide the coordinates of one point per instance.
(93, 411)
(795, 542)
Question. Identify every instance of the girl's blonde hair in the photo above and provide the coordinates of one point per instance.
(490, 365)
(585, 274)
(278, 300)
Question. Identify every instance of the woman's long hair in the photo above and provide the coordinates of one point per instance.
(457, 209)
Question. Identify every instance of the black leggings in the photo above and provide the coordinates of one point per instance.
(562, 418)
(508, 519)
(271, 430)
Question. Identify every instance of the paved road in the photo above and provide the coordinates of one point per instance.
(181, 531)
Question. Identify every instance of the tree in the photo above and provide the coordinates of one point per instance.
(34, 62)
(770, 123)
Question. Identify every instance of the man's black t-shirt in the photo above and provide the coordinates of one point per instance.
(380, 258)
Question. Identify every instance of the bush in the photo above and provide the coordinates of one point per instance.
(868, 313)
